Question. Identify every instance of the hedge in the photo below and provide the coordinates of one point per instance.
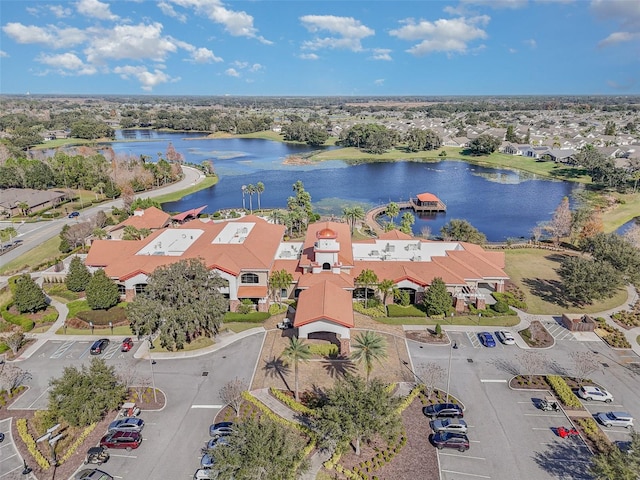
(28, 440)
(252, 317)
(26, 323)
(325, 350)
(563, 391)
(290, 402)
(510, 298)
(375, 312)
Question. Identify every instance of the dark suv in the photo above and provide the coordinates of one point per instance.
(450, 440)
(99, 346)
(120, 439)
(443, 410)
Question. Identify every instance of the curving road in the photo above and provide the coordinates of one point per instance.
(34, 234)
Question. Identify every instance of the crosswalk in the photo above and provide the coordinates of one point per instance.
(558, 331)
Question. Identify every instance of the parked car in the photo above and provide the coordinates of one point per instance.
(615, 419)
(595, 393)
(202, 474)
(217, 441)
(99, 346)
(127, 344)
(92, 474)
(128, 440)
(452, 425)
(505, 337)
(487, 339)
(221, 429)
(74, 214)
(443, 410)
(451, 440)
(207, 461)
(130, 424)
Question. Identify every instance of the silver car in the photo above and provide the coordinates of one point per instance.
(615, 419)
(452, 425)
(131, 424)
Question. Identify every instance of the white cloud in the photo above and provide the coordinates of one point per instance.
(381, 54)
(531, 43)
(625, 12)
(256, 67)
(50, 35)
(3, 54)
(95, 9)
(236, 23)
(239, 64)
(147, 79)
(204, 55)
(169, 11)
(497, 4)
(347, 32)
(135, 42)
(379, 82)
(309, 56)
(513, 50)
(67, 63)
(443, 35)
(232, 72)
(618, 37)
(60, 11)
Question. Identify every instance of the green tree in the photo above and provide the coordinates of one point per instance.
(299, 208)
(610, 128)
(484, 144)
(102, 292)
(392, 211)
(615, 464)
(462, 231)
(354, 411)
(259, 192)
(385, 287)
(144, 203)
(511, 136)
(369, 347)
(251, 189)
(278, 281)
(28, 297)
(585, 280)
(437, 299)
(295, 352)
(182, 301)
(78, 277)
(260, 448)
(82, 397)
(352, 215)
(617, 251)
(366, 280)
(407, 222)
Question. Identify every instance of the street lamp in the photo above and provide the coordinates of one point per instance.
(451, 347)
(151, 362)
(406, 364)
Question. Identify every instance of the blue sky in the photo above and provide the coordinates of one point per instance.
(319, 48)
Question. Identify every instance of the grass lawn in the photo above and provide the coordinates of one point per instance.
(97, 332)
(198, 343)
(238, 327)
(623, 212)
(208, 181)
(535, 272)
(504, 321)
(42, 253)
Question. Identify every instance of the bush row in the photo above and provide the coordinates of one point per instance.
(28, 440)
(375, 312)
(562, 390)
(79, 441)
(290, 402)
(325, 349)
(614, 338)
(510, 299)
(590, 428)
(26, 323)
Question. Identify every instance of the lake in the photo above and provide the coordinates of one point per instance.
(500, 203)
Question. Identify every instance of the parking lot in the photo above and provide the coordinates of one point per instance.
(10, 462)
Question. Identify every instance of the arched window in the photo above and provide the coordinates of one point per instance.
(122, 291)
(326, 266)
(249, 278)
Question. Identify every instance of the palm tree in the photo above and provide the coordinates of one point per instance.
(24, 206)
(393, 210)
(369, 346)
(259, 191)
(278, 281)
(366, 279)
(296, 351)
(251, 189)
(385, 287)
(352, 215)
(244, 189)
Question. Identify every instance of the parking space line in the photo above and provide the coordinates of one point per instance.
(551, 415)
(30, 407)
(461, 456)
(7, 473)
(111, 351)
(123, 456)
(207, 406)
(85, 352)
(62, 349)
(454, 472)
(473, 338)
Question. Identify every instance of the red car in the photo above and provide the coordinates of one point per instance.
(120, 439)
(127, 344)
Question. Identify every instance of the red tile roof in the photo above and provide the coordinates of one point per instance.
(325, 301)
(194, 212)
(253, 291)
(152, 218)
(427, 197)
(345, 256)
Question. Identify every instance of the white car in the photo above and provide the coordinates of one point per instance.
(595, 393)
(505, 337)
(615, 419)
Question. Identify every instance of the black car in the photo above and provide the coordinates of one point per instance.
(99, 346)
(74, 214)
(221, 429)
(450, 440)
(443, 410)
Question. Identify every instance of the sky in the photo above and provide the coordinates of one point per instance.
(320, 47)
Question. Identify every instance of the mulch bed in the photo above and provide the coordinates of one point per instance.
(427, 336)
(540, 337)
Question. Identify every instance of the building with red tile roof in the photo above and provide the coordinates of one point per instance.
(151, 218)
(246, 251)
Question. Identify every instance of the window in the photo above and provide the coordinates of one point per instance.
(122, 291)
(140, 287)
(283, 293)
(249, 278)
(326, 266)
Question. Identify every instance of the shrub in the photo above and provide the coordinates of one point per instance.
(28, 440)
(26, 323)
(376, 312)
(325, 350)
(501, 306)
(246, 306)
(438, 330)
(276, 308)
(28, 296)
(290, 402)
(564, 393)
(251, 317)
(102, 292)
(511, 299)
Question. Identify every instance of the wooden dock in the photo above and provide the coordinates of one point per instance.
(430, 207)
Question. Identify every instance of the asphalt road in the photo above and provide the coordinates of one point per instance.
(174, 436)
(510, 437)
(34, 234)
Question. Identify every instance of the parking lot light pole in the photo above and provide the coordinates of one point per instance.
(449, 371)
(151, 362)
